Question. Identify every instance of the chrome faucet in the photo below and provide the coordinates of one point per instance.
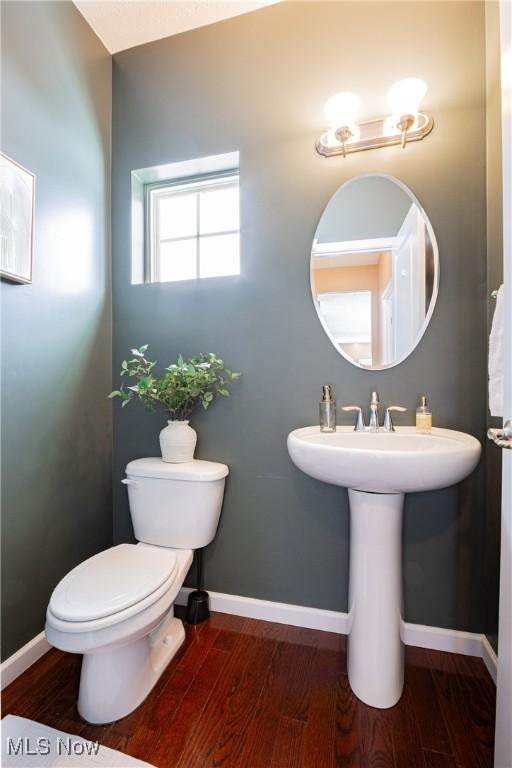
(374, 412)
(374, 416)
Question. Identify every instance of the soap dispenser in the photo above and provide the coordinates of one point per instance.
(327, 410)
(423, 417)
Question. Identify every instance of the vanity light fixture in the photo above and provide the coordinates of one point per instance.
(406, 122)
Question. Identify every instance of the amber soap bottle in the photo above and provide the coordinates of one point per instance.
(423, 417)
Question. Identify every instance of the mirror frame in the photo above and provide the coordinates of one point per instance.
(437, 272)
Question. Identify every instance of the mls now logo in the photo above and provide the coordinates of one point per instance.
(26, 746)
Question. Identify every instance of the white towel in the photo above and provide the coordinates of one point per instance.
(496, 356)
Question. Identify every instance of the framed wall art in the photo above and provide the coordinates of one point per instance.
(17, 197)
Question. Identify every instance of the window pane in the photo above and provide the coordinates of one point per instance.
(219, 255)
(177, 216)
(219, 210)
(178, 261)
(348, 315)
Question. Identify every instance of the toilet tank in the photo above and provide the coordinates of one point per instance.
(175, 505)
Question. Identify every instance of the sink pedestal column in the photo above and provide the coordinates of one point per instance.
(375, 650)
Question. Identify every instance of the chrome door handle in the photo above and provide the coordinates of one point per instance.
(502, 437)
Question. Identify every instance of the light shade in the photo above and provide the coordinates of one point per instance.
(405, 96)
(341, 110)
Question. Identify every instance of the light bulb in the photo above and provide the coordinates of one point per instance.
(405, 96)
(341, 110)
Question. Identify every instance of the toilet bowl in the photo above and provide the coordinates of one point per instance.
(116, 608)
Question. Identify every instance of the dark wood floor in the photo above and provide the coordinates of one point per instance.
(260, 695)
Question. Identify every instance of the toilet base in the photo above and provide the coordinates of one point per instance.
(115, 681)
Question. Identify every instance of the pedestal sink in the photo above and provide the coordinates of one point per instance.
(379, 468)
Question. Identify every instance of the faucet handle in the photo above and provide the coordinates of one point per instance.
(359, 427)
(375, 398)
(388, 422)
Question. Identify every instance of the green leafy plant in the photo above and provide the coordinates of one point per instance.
(184, 385)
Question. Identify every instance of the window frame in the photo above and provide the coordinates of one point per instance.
(167, 188)
(360, 339)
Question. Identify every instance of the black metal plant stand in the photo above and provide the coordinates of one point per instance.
(198, 609)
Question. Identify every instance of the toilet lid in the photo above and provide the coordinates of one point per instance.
(112, 581)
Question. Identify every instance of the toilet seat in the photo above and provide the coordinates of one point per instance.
(87, 636)
(112, 586)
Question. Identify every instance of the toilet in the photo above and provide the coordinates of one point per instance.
(117, 607)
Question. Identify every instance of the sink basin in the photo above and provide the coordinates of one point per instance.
(385, 462)
(378, 468)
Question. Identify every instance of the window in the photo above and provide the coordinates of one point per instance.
(348, 317)
(193, 228)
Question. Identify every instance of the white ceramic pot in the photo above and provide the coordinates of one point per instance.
(178, 442)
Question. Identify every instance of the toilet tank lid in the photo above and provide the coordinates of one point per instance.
(193, 471)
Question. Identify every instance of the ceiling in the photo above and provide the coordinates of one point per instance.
(122, 24)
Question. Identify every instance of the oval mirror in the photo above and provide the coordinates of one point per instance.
(374, 271)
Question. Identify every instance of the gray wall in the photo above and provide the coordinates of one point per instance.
(368, 208)
(56, 333)
(257, 83)
(494, 280)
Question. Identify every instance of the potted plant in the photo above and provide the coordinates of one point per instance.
(184, 386)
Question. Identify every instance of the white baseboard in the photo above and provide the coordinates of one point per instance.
(433, 638)
(281, 613)
(439, 639)
(23, 659)
(490, 658)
